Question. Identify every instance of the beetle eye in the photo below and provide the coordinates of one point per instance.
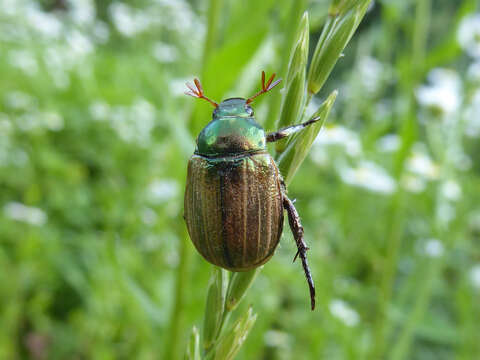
(249, 111)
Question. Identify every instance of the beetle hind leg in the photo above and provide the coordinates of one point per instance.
(297, 230)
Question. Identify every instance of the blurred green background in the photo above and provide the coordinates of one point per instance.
(95, 135)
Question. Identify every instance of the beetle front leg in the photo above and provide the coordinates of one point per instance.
(289, 130)
(297, 230)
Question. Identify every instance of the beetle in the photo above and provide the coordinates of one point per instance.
(235, 196)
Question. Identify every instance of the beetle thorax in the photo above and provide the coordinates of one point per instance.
(233, 130)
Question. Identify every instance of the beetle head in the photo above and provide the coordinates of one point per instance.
(232, 106)
(233, 129)
(236, 107)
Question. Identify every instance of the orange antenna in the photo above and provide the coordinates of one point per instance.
(198, 92)
(265, 87)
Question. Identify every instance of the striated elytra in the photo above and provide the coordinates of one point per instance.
(235, 195)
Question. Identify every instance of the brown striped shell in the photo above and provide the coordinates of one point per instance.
(233, 209)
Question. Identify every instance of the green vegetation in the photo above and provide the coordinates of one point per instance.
(95, 135)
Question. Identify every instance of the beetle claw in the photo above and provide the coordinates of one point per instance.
(296, 255)
(300, 249)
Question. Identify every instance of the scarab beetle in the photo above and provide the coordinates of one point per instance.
(235, 195)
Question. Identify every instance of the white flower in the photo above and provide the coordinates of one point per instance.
(122, 17)
(162, 190)
(58, 61)
(340, 136)
(421, 164)
(368, 175)
(342, 311)
(468, 35)
(101, 32)
(99, 110)
(451, 190)
(82, 11)
(119, 120)
(28, 214)
(19, 100)
(5, 126)
(32, 120)
(472, 117)
(61, 79)
(149, 216)
(473, 72)
(52, 120)
(142, 114)
(412, 183)
(143, 111)
(61, 56)
(475, 276)
(28, 121)
(371, 73)
(43, 23)
(443, 95)
(127, 20)
(275, 338)
(319, 155)
(460, 160)
(388, 143)
(9, 7)
(24, 60)
(181, 18)
(433, 248)
(165, 53)
(445, 212)
(80, 45)
(151, 242)
(132, 124)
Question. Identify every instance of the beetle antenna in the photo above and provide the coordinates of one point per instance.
(265, 86)
(198, 92)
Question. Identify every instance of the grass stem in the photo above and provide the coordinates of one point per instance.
(397, 209)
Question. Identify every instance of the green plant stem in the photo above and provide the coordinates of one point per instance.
(397, 208)
(214, 11)
(172, 348)
(422, 299)
(389, 267)
(295, 14)
(213, 21)
(209, 354)
(175, 328)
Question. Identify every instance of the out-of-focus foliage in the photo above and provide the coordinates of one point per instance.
(95, 134)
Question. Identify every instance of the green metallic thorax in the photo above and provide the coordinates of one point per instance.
(233, 130)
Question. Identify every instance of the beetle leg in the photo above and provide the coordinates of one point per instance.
(297, 230)
(289, 130)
